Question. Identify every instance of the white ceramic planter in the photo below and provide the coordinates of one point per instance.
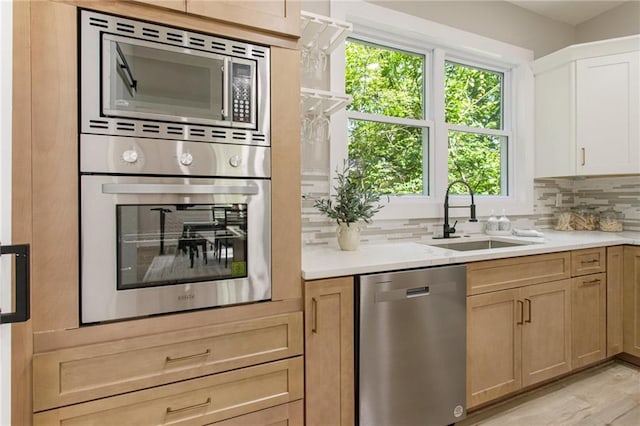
(348, 236)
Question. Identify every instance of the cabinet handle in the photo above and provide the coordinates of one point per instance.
(529, 306)
(589, 261)
(190, 407)
(595, 281)
(521, 320)
(314, 315)
(584, 156)
(184, 358)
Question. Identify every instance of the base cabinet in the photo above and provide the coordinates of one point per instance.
(631, 301)
(329, 352)
(516, 338)
(588, 319)
(199, 401)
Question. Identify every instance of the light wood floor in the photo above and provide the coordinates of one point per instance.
(606, 395)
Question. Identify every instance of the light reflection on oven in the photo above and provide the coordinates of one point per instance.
(169, 244)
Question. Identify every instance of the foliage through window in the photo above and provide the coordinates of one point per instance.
(389, 125)
(386, 124)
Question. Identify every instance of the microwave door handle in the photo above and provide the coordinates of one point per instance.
(226, 71)
(124, 66)
(155, 188)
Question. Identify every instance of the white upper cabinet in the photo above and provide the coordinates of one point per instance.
(587, 109)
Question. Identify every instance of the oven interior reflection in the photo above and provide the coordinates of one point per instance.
(169, 244)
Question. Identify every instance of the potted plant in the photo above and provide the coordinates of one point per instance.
(355, 202)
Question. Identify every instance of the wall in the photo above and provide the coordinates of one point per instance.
(621, 21)
(498, 20)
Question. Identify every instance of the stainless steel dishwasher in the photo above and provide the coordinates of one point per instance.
(411, 347)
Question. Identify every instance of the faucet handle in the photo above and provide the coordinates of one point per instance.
(452, 229)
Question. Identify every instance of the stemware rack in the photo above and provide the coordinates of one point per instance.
(322, 102)
(321, 31)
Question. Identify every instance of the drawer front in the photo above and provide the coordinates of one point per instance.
(84, 373)
(291, 414)
(502, 274)
(193, 402)
(588, 261)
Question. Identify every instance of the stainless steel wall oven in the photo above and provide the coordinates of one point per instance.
(175, 189)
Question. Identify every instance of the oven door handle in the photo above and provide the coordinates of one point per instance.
(158, 188)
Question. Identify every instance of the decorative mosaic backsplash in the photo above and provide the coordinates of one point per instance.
(620, 193)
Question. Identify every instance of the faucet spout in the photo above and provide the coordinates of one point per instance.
(448, 230)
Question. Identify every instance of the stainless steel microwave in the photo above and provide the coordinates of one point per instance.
(147, 80)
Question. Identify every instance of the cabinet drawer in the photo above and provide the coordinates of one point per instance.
(192, 402)
(291, 414)
(493, 275)
(69, 376)
(588, 261)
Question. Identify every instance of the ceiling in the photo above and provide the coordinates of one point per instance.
(572, 12)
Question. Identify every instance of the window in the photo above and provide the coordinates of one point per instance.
(477, 143)
(432, 105)
(386, 125)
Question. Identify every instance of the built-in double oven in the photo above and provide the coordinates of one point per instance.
(175, 189)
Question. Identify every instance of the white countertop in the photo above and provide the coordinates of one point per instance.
(329, 261)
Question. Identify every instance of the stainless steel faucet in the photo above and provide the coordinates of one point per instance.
(448, 230)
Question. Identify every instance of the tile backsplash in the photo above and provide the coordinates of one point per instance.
(619, 192)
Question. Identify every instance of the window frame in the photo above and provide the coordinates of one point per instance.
(389, 28)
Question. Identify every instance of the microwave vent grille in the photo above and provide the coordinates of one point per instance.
(198, 42)
(112, 126)
(174, 37)
(150, 32)
(125, 28)
(216, 45)
(172, 130)
(97, 22)
(126, 126)
(257, 53)
(98, 124)
(239, 50)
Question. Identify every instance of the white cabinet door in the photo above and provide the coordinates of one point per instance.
(607, 114)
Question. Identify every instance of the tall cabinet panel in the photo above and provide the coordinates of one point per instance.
(329, 352)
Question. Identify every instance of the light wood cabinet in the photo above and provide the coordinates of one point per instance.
(588, 261)
(546, 333)
(79, 374)
(280, 16)
(588, 319)
(180, 5)
(329, 351)
(587, 94)
(631, 301)
(516, 338)
(614, 300)
(501, 274)
(291, 414)
(494, 345)
(197, 401)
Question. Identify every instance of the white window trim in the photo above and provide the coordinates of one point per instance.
(386, 25)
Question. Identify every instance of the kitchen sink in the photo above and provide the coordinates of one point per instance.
(462, 245)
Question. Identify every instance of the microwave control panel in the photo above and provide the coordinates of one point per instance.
(242, 92)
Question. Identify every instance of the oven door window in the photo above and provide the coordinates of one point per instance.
(143, 81)
(169, 244)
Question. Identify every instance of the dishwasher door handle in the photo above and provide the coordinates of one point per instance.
(418, 291)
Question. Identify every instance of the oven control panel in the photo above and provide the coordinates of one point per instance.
(132, 156)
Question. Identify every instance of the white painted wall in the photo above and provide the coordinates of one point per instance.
(6, 31)
(621, 21)
(498, 20)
